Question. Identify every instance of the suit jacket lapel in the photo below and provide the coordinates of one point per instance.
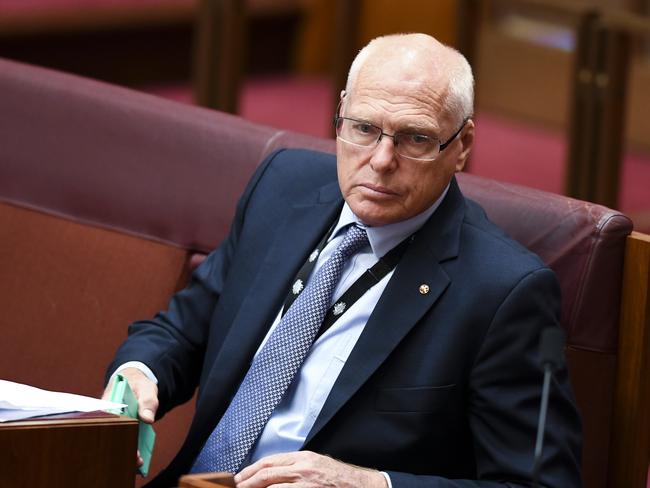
(402, 304)
(300, 231)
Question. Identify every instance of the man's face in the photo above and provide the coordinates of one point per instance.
(380, 186)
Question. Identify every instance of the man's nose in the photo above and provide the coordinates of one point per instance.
(383, 154)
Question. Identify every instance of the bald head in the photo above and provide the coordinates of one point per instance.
(420, 60)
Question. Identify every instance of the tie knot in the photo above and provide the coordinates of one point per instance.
(355, 238)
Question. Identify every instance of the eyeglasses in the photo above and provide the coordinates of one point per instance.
(409, 145)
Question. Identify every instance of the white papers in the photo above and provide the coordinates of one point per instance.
(21, 402)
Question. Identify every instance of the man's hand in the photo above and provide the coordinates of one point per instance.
(145, 391)
(306, 469)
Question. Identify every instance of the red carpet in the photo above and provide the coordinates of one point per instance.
(532, 156)
(505, 150)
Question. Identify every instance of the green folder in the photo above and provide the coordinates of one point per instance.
(122, 393)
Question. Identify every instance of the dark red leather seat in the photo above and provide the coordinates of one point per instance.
(108, 195)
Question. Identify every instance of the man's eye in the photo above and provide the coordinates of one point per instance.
(363, 128)
(418, 139)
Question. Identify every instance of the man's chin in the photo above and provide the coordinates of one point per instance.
(374, 215)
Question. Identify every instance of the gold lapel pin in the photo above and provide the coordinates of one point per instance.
(424, 288)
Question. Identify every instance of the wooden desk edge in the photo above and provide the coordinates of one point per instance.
(68, 422)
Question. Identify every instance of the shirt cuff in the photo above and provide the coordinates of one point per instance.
(390, 485)
(145, 369)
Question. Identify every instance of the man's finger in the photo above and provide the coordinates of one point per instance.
(282, 459)
(145, 390)
(249, 471)
(269, 476)
(107, 391)
(305, 468)
(147, 415)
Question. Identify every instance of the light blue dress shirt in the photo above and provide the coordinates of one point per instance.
(296, 414)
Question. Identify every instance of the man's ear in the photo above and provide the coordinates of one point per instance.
(339, 107)
(466, 138)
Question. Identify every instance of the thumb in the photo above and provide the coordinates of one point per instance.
(147, 415)
(147, 405)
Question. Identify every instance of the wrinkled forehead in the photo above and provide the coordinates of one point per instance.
(402, 79)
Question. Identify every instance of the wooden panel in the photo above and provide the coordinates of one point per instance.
(593, 378)
(348, 15)
(318, 43)
(92, 16)
(207, 480)
(220, 46)
(68, 453)
(119, 41)
(511, 70)
(380, 17)
(611, 85)
(68, 293)
(637, 127)
(522, 79)
(583, 120)
(631, 433)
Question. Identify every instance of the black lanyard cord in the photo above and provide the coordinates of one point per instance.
(367, 280)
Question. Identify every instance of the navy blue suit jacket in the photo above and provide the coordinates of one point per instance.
(441, 389)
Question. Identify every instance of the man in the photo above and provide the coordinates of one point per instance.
(426, 373)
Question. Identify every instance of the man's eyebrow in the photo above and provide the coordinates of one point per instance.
(424, 129)
(407, 128)
(361, 118)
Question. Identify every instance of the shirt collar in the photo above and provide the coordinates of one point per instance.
(386, 237)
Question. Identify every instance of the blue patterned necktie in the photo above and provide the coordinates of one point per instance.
(275, 365)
